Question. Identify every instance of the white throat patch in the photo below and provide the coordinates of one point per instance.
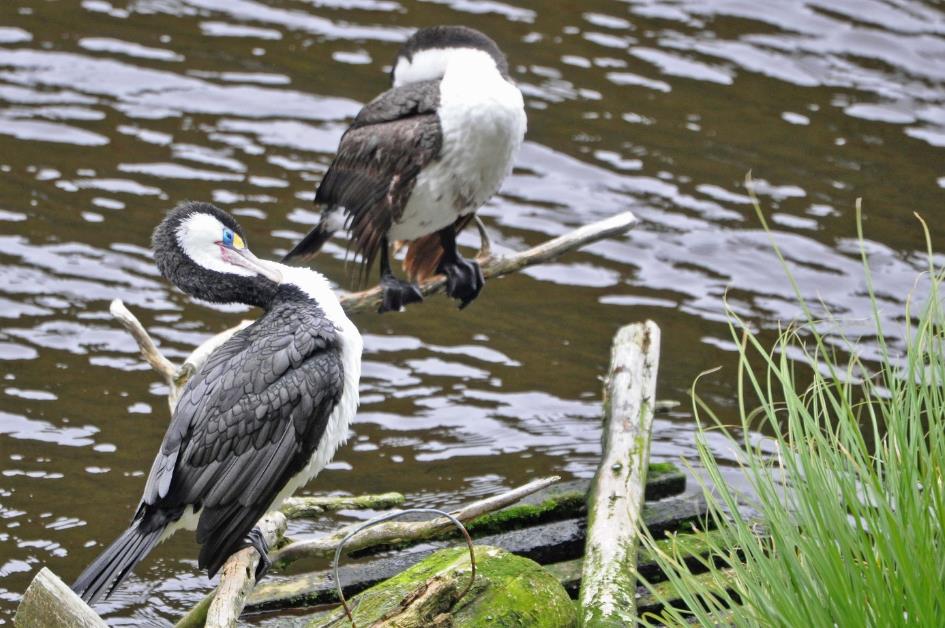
(432, 64)
(198, 236)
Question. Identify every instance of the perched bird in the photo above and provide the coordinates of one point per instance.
(264, 414)
(421, 158)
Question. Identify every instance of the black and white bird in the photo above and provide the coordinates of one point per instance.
(261, 417)
(421, 158)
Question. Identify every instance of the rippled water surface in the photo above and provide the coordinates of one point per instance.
(112, 112)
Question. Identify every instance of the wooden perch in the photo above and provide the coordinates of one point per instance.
(609, 580)
(492, 266)
(498, 265)
(238, 576)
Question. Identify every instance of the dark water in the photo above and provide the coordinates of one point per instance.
(112, 112)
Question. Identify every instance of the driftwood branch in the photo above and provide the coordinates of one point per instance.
(301, 507)
(492, 266)
(499, 265)
(615, 507)
(238, 576)
(396, 531)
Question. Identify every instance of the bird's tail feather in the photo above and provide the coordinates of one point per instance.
(114, 564)
(315, 240)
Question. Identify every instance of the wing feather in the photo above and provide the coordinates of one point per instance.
(248, 421)
(379, 157)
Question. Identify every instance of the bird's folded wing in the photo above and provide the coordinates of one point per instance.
(246, 423)
(378, 160)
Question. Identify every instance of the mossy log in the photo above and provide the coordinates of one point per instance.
(508, 591)
(552, 542)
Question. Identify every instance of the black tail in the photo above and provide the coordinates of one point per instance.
(312, 243)
(114, 564)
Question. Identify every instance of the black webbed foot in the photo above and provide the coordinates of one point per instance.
(258, 542)
(464, 280)
(397, 294)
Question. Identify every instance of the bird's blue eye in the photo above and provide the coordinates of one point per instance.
(227, 236)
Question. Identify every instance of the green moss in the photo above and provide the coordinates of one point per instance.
(510, 591)
(661, 468)
(522, 515)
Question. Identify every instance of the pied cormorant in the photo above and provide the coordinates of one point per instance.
(421, 158)
(261, 417)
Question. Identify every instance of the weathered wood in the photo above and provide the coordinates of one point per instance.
(388, 532)
(497, 265)
(395, 531)
(49, 601)
(238, 576)
(553, 542)
(508, 591)
(563, 500)
(615, 509)
(300, 507)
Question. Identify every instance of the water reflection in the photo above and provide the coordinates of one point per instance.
(110, 112)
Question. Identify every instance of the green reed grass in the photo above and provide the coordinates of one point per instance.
(846, 525)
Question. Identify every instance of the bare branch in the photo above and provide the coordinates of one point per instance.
(300, 507)
(498, 265)
(149, 351)
(396, 531)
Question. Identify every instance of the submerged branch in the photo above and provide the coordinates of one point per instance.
(397, 531)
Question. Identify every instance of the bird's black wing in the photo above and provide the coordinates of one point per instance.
(379, 157)
(246, 423)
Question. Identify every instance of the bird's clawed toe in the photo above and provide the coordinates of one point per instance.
(464, 280)
(397, 294)
(258, 542)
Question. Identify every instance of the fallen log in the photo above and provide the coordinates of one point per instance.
(562, 500)
(325, 546)
(547, 543)
(609, 579)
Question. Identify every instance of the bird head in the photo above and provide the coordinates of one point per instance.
(201, 249)
(428, 52)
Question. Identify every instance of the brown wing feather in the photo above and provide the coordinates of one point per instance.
(424, 254)
(375, 172)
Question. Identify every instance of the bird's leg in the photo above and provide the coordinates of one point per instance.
(464, 278)
(258, 542)
(485, 244)
(396, 293)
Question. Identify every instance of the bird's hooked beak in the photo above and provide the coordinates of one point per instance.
(239, 255)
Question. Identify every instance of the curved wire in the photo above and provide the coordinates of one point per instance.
(388, 517)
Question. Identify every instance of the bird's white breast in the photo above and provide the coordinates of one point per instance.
(336, 432)
(482, 119)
